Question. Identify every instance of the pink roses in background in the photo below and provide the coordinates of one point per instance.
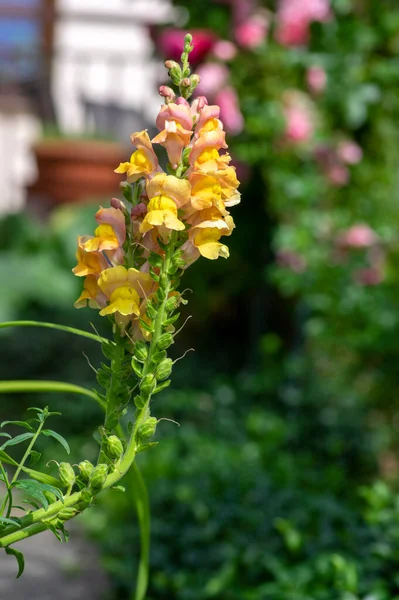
(294, 18)
(299, 117)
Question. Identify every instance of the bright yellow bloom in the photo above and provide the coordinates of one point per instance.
(91, 294)
(207, 242)
(110, 233)
(124, 288)
(162, 211)
(167, 193)
(143, 162)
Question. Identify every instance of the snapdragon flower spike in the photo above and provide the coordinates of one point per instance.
(187, 206)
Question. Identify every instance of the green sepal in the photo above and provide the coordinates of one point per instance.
(108, 350)
(137, 368)
(154, 275)
(162, 386)
(155, 260)
(146, 326)
(171, 320)
(147, 446)
(139, 402)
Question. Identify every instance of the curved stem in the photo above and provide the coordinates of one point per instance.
(11, 387)
(86, 334)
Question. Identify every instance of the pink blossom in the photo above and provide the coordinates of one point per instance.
(213, 77)
(252, 32)
(170, 43)
(337, 174)
(349, 152)
(368, 276)
(358, 236)
(294, 18)
(291, 260)
(224, 50)
(316, 78)
(299, 118)
(230, 112)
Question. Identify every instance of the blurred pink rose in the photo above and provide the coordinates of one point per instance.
(213, 77)
(252, 32)
(368, 276)
(291, 260)
(224, 50)
(294, 18)
(349, 152)
(299, 118)
(316, 78)
(337, 174)
(358, 236)
(170, 43)
(230, 112)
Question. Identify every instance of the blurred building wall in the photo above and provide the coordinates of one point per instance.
(103, 57)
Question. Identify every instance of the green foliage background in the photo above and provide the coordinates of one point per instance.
(273, 485)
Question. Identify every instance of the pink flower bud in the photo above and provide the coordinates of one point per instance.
(316, 78)
(181, 100)
(167, 93)
(138, 211)
(116, 203)
(252, 32)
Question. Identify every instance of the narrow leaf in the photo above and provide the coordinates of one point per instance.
(20, 559)
(17, 440)
(7, 521)
(18, 423)
(73, 330)
(34, 457)
(58, 437)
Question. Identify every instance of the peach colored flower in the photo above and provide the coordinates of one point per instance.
(143, 162)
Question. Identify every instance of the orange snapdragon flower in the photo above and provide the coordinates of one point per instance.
(110, 233)
(175, 122)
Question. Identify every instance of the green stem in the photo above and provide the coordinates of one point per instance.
(140, 495)
(86, 334)
(8, 494)
(27, 452)
(7, 540)
(11, 387)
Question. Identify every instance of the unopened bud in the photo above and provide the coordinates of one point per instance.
(167, 93)
(116, 203)
(140, 351)
(164, 369)
(171, 64)
(148, 385)
(114, 446)
(147, 429)
(86, 469)
(164, 341)
(186, 82)
(98, 477)
(181, 100)
(195, 79)
(66, 474)
(171, 303)
(201, 102)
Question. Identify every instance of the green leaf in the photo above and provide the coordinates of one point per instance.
(58, 437)
(7, 435)
(35, 489)
(18, 423)
(17, 440)
(34, 457)
(6, 521)
(20, 559)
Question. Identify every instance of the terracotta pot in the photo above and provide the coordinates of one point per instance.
(76, 170)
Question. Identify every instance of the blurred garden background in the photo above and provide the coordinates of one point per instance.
(281, 481)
